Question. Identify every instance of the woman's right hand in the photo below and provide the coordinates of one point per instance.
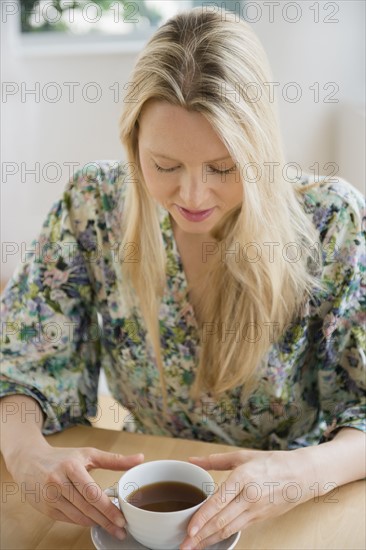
(56, 481)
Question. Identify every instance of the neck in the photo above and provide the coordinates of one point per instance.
(191, 239)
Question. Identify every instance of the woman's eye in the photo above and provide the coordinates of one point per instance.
(228, 171)
(160, 169)
(212, 169)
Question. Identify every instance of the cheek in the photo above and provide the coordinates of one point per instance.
(149, 176)
(153, 180)
(239, 194)
(146, 168)
(156, 189)
(232, 194)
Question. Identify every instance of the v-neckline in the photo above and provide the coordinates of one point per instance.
(185, 307)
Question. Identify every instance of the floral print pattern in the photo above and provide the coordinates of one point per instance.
(63, 320)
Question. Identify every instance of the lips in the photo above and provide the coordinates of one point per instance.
(195, 215)
(195, 211)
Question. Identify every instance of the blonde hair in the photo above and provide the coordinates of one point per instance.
(204, 61)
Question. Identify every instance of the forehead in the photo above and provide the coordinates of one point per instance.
(175, 131)
(174, 117)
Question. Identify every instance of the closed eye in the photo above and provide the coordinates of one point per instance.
(228, 171)
(160, 169)
(212, 169)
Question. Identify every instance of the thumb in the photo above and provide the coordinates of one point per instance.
(114, 461)
(218, 461)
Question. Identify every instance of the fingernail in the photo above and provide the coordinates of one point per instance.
(120, 534)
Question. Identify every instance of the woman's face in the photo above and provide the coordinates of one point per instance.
(183, 163)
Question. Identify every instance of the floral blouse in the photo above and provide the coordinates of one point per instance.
(63, 320)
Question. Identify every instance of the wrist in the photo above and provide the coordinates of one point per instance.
(25, 440)
(21, 424)
(305, 471)
(333, 463)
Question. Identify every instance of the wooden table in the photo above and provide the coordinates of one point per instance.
(313, 525)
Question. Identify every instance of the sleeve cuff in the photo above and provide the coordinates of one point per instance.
(52, 423)
(351, 418)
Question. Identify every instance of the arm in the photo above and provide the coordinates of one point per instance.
(280, 480)
(51, 346)
(336, 462)
(21, 420)
(21, 435)
(50, 365)
(340, 367)
(47, 310)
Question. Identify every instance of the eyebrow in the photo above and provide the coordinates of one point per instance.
(169, 158)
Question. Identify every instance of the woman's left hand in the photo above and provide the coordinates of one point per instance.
(262, 484)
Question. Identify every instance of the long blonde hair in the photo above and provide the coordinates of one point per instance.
(212, 63)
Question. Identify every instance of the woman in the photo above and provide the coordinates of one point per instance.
(222, 296)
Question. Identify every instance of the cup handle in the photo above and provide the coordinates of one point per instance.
(111, 492)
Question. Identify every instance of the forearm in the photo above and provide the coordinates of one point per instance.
(339, 461)
(21, 424)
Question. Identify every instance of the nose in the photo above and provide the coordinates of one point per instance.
(194, 193)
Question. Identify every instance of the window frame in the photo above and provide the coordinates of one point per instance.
(56, 43)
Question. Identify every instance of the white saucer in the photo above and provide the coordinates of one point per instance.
(102, 540)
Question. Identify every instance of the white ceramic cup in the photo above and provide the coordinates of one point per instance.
(159, 530)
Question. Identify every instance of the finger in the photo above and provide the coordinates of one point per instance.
(219, 525)
(58, 515)
(111, 461)
(77, 516)
(238, 524)
(80, 517)
(92, 494)
(228, 491)
(219, 461)
(83, 505)
(74, 515)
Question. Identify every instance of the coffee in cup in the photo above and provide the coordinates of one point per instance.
(159, 498)
(166, 496)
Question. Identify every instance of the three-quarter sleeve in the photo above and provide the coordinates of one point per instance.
(341, 349)
(50, 345)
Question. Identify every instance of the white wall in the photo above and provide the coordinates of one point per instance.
(64, 132)
(307, 52)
